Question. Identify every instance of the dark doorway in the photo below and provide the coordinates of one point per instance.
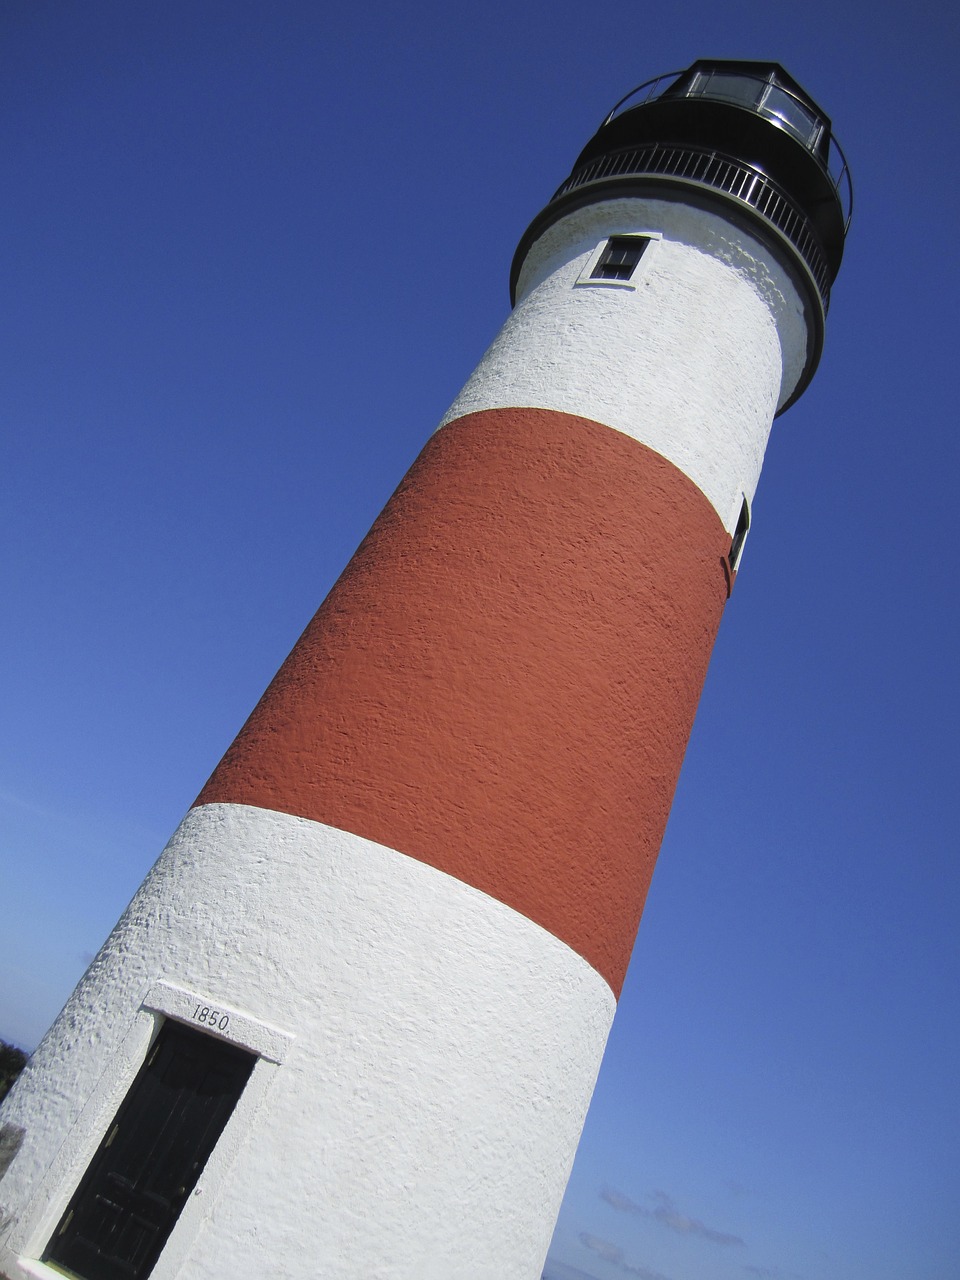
(149, 1162)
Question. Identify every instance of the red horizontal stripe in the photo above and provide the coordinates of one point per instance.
(503, 680)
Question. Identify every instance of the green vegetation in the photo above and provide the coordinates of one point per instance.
(12, 1062)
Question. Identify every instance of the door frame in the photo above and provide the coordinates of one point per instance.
(56, 1188)
(153, 1155)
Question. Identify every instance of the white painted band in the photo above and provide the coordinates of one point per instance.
(693, 361)
(424, 1119)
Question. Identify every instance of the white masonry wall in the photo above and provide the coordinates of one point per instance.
(692, 358)
(429, 1055)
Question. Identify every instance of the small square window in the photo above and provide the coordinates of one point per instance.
(619, 257)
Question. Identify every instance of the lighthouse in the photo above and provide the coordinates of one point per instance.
(350, 1024)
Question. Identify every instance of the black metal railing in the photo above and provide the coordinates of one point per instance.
(721, 173)
(834, 165)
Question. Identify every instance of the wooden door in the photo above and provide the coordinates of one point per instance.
(154, 1151)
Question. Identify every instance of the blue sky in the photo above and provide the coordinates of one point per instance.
(249, 254)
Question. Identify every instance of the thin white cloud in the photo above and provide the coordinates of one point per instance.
(667, 1213)
(608, 1251)
(612, 1253)
(770, 1273)
(623, 1203)
(16, 801)
(643, 1273)
(561, 1271)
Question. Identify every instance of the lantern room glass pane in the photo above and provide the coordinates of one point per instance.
(744, 90)
(793, 114)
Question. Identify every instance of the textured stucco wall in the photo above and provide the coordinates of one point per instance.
(692, 362)
(425, 1115)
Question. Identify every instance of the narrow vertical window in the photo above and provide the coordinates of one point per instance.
(154, 1151)
(740, 536)
(619, 258)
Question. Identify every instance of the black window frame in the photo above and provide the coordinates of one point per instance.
(740, 535)
(619, 259)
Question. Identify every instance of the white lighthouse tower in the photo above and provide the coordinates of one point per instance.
(350, 1024)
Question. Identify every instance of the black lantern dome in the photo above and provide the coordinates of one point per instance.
(743, 136)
